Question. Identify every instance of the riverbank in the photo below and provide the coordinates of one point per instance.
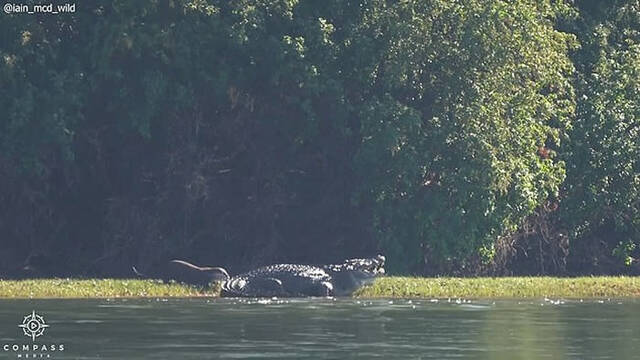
(97, 288)
(503, 287)
(387, 287)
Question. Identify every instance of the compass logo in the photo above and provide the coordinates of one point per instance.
(33, 325)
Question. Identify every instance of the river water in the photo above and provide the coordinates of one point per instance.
(320, 329)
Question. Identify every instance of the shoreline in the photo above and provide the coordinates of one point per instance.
(523, 287)
(71, 288)
(386, 287)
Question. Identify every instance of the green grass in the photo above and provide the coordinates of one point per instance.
(504, 287)
(387, 287)
(97, 288)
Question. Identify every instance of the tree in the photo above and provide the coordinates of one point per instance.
(602, 209)
(461, 97)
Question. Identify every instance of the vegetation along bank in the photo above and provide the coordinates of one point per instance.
(471, 137)
(388, 287)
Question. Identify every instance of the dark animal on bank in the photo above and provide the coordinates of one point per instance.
(291, 280)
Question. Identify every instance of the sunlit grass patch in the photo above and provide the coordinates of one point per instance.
(97, 288)
(503, 287)
(392, 287)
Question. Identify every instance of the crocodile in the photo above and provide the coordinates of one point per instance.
(294, 280)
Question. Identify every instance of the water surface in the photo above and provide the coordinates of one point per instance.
(325, 329)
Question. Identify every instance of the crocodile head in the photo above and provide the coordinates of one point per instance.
(355, 273)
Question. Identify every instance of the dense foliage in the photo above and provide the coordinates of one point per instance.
(468, 95)
(453, 136)
(602, 206)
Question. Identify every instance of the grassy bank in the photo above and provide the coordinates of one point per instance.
(96, 288)
(506, 287)
(400, 287)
